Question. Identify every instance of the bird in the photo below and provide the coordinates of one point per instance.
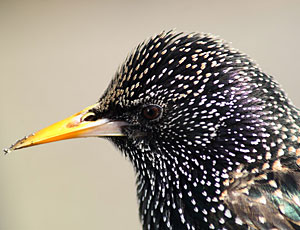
(214, 141)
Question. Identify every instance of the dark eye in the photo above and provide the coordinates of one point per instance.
(151, 112)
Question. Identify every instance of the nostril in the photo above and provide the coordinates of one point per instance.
(89, 116)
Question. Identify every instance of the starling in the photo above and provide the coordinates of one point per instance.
(214, 141)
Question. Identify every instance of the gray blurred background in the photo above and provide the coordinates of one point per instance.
(57, 57)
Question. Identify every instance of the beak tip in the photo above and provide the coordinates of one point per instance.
(18, 145)
(6, 151)
(10, 149)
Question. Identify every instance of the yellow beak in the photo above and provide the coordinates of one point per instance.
(74, 126)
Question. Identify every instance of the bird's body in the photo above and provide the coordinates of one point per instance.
(214, 141)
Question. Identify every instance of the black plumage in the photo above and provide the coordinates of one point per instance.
(214, 141)
(224, 150)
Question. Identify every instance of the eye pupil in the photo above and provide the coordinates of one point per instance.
(151, 112)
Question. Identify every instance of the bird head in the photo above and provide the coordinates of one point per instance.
(187, 110)
(176, 98)
(173, 90)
